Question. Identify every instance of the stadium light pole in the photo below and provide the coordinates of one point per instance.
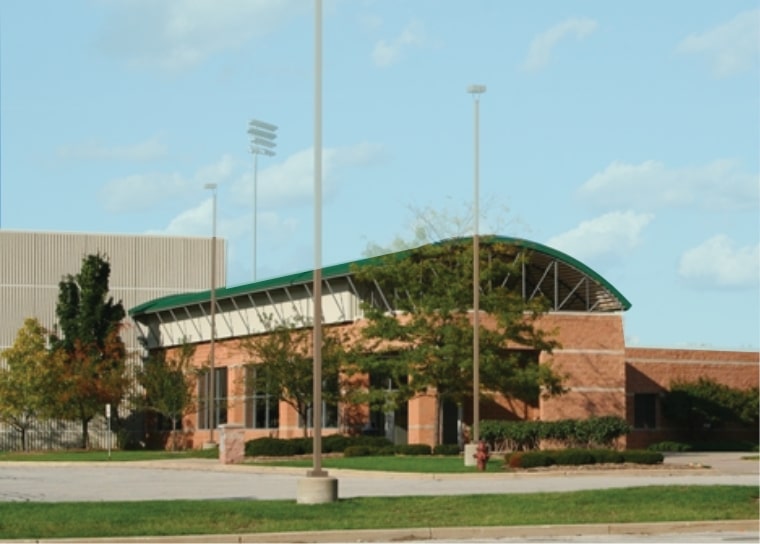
(476, 91)
(262, 143)
(212, 341)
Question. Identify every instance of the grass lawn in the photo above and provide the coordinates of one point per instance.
(389, 463)
(102, 455)
(157, 518)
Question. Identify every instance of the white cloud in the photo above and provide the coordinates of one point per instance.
(542, 45)
(179, 34)
(193, 222)
(611, 235)
(141, 192)
(731, 47)
(292, 181)
(386, 53)
(719, 263)
(719, 185)
(141, 151)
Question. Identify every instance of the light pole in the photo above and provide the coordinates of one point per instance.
(476, 91)
(212, 342)
(262, 143)
(317, 487)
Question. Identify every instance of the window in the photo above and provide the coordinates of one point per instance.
(645, 411)
(262, 409)
(329, 405)
(220, 398)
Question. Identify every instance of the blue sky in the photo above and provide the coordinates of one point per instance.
(622, 133)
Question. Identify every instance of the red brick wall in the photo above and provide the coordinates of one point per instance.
(654, 370)
(591, 359)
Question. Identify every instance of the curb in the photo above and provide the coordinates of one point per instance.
(437, 533)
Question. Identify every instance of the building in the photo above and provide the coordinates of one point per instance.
(142, 268)
(603, 375)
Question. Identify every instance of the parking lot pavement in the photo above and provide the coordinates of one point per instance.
(197, 479)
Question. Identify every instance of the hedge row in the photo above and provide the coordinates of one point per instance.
(576, 457)
(724, 445)
(595, 432)
(350, 446)
(285, 447)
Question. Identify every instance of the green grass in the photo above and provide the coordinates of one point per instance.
(391, 463)
(158, 518)
(102, 455)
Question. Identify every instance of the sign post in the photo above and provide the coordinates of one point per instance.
(108, 435)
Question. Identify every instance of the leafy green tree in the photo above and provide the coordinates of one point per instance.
(25, 382)
(705, 402)
(168, 385)
(424, 342)
(91, 354)
(284, 363)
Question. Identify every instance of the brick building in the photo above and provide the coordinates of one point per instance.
(602, 375)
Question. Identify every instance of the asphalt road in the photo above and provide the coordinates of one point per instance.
(208, 479)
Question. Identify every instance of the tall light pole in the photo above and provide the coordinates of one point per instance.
(476, 91)
(212, 342)
(262, 143)
(317, 487)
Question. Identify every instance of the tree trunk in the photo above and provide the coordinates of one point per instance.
(85, 433)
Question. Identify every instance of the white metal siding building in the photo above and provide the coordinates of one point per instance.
(143, 268)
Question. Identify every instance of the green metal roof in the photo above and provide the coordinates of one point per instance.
(344, 269)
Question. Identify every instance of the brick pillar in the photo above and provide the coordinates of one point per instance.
(231, 443)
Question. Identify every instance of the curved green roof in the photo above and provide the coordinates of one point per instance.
(618, 301)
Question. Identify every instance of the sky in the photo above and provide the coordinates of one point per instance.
(624, 134)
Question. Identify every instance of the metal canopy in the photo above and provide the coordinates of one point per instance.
(568, 284)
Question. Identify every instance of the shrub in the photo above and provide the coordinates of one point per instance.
(335, 443)
(573, 457)
(643, 457)
(413, 449)
(669, 446)
(369, 441)
(357, 451)
(562, 430)
(511, 435)
(608, 456)
(273, 447)
(530, 459)
(446, 449)
(603, 431)
(385, 450)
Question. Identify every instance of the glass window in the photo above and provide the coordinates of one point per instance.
(220, 398)
(645, 411)
(262, 409)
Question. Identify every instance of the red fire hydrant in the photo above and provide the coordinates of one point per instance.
(481, 455)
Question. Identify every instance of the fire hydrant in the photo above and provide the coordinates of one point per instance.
(481, 455)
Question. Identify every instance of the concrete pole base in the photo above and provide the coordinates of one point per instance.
(469, 454)
(317, 490)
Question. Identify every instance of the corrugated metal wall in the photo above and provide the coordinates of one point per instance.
(142, 268)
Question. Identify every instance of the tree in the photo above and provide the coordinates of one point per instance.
(284, 363)
(91, 355)
(424, 340)
(167, 385)
(705, 403)
(25, 383)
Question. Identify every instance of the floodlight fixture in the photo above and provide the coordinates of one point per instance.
(263, 136)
